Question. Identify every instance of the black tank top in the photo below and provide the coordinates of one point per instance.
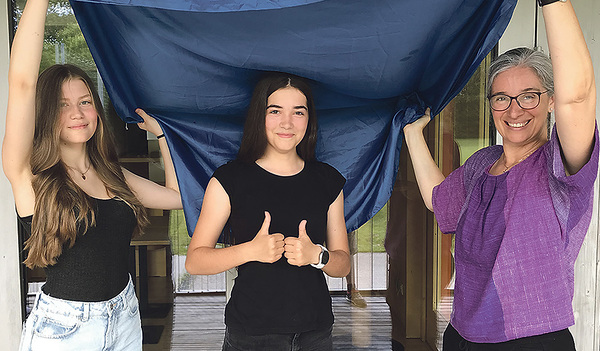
(96, 267)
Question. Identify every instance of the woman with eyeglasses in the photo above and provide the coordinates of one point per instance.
(520, 210)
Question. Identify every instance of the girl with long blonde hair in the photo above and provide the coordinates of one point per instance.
(79, 207)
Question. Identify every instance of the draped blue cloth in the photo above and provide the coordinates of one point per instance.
(374, 66)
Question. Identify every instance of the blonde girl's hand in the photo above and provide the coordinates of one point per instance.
(150, 124)
(419, 124)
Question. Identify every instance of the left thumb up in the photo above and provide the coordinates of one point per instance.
(303, 235)
(300, 251)
(302, 230)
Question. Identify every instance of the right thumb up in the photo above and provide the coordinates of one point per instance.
(264, 229)
(268, 248)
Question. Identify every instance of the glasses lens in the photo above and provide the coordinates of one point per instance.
(499, 102)
(528, 100)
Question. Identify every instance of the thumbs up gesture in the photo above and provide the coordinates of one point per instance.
(301, 251)
(268, 248)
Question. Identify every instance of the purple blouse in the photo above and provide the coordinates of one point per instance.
(517, 237)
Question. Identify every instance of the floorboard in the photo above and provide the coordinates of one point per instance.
(196, 323)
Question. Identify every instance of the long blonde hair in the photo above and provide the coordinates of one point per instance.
(62, 209)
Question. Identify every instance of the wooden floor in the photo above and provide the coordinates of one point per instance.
(196, 323)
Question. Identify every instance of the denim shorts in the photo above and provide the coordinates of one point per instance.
(315, 340)
(63, 325)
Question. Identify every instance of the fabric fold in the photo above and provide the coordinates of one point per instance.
(374, 66)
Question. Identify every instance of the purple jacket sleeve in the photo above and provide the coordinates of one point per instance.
(448, 200)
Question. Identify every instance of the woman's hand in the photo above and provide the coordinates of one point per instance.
(419, 124)
(268, 248)
(150, 124)
(301, 251)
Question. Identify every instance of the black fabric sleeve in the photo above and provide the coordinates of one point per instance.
(226, 174)
(334, 182)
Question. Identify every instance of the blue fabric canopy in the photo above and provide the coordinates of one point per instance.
(374, 65)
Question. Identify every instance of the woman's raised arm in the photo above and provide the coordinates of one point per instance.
(426, 170)
(574, 85)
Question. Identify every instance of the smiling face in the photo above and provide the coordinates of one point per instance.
(286, 120)
(516, 125)
(78, 116)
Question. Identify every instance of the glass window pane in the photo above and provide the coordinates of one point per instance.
(463, 128)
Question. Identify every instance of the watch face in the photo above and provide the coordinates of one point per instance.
(325, 257)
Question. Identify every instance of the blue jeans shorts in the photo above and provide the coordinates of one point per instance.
(316, 340)
(63, 325)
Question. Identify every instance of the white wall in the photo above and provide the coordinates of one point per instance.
(520, 32)
(10, 293)
(586, 303)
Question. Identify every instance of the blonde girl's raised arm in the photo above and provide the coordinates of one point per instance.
(23, 71)
(150, 194)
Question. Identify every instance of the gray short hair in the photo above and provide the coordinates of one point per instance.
(525, 57)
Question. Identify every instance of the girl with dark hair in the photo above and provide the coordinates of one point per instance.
(280, 207)
(79, 207)
(520, 210)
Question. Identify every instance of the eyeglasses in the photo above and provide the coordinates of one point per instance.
(527, 101)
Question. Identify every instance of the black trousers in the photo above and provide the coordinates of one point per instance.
(561, 340)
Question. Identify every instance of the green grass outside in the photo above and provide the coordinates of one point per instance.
(377, 225)
(468, 147)
(178, 233)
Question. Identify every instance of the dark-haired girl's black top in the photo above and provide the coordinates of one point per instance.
(279, 297)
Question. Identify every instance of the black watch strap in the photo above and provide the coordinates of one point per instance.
(547, 2)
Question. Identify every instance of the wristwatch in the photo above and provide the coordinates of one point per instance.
(546, 2)
(323, 258)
